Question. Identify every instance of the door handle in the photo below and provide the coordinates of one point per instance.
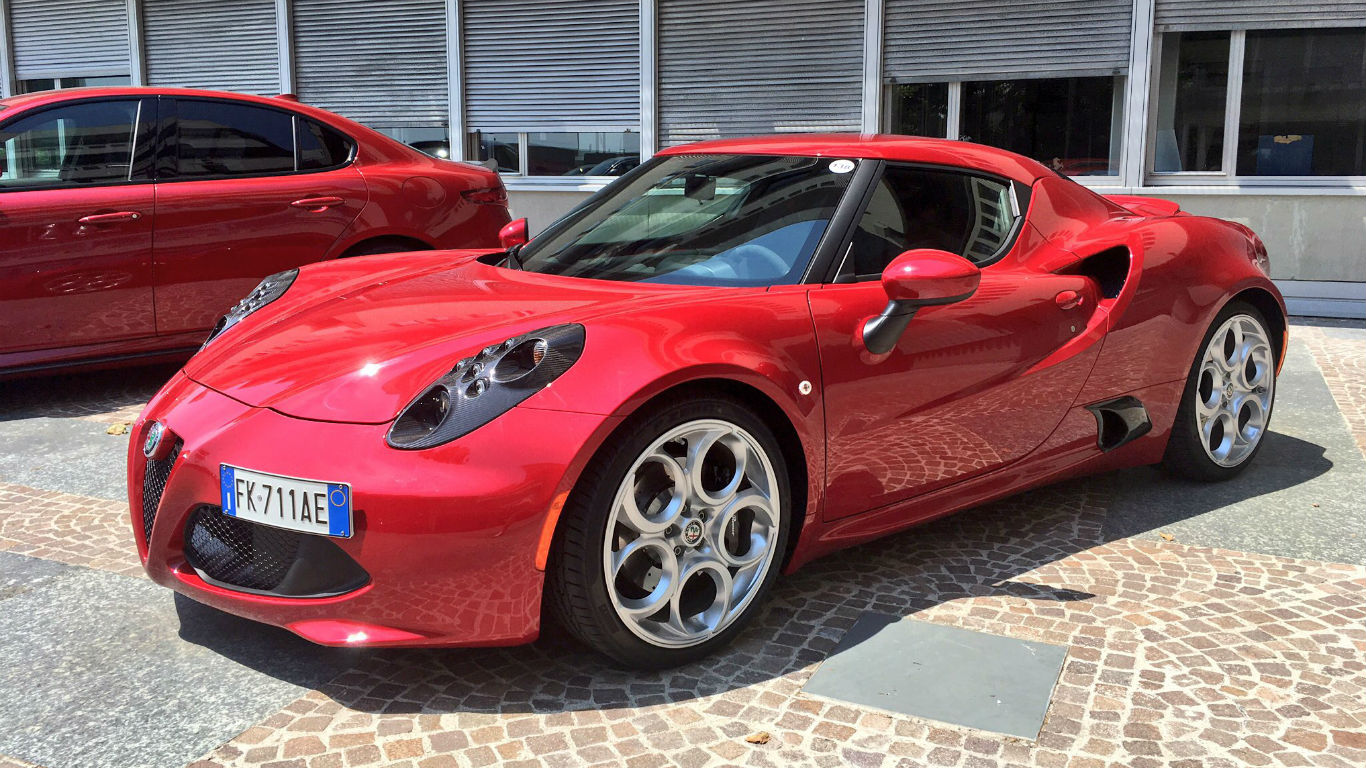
(109, 218)
(1068, 300)
(319, 203)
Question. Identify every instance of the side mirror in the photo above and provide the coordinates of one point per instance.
(513, 234)
(924, 277)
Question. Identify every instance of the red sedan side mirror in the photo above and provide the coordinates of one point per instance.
(513, 234)
(923, 277)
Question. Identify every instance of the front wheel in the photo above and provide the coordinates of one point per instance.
(674, 535)
(1226, 406)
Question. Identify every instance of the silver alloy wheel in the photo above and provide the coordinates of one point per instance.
(692, 533)
(1237, 381)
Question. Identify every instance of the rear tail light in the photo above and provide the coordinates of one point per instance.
(487, 196)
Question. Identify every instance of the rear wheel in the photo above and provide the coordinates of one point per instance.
(674, 535)
(1226, 406)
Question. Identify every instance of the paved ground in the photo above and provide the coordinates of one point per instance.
(1204, 626)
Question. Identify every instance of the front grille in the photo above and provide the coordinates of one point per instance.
(154, 485)
(258, 558)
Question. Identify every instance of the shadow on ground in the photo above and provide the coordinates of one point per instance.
(75, 395)
(976, 553)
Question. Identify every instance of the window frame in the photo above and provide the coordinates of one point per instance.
(59, 85)
(141, 169)
(168, 135)
(829, 275)
(953, 116)
(523, 177)
(1227, 177)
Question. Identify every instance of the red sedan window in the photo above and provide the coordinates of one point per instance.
(75, 144)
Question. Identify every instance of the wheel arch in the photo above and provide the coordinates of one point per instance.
(774, 417)
(765, 407)
(401, 242)
(1270, 307)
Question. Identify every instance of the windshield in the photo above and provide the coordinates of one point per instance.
(721, 220)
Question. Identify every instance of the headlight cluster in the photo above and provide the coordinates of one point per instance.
(268, 290)
(481, 388)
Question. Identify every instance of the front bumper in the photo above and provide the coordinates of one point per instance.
(447, 536)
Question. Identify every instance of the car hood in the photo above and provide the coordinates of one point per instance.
(357, 346)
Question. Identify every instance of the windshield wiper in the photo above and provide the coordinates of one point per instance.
(512, 259)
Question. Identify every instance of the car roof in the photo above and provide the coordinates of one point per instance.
(912, 149)
(67, 94)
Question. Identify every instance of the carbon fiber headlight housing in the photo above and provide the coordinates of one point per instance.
(268, 290)
(479, 389)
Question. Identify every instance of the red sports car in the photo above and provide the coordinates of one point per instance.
(133, 217)
(740, 356)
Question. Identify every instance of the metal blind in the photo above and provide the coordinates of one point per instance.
(378, 62)
(69, 37)
(761, 66)
(546, 65)
(1189, 15)
(947, 40)
(212, 44)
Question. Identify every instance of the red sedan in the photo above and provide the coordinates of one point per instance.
(133, 218)
(739, 357)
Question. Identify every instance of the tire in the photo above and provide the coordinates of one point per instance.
(383, 245)
(664, 508)
(1227, 401)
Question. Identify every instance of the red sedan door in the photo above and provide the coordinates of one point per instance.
(236, 201)
(966, 388)
(76, 213)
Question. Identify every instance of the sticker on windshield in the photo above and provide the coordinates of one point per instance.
(842, 166)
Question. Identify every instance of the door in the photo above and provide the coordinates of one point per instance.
(76, 213)
(239, 198)
(968, 387)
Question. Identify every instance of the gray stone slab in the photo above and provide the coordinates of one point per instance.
(947, 674)
(63, 454)
(109, 671)
(1300, 497)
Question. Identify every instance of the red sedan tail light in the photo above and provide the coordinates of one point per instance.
(487, 196)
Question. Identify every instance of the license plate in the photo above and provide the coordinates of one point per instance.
(307, 506)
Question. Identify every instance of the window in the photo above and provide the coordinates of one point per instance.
(221, 139)
(1303, 103)
(1065, 123)
(1070, 124)
(319, 146)
(558, 153)
(972, 216)
(75, 144)
(429, 139)
(920, 109)
(582, 154)
(1297, 107)
(1190, 108)
(700, 220)
(503, 149)
(57, 83)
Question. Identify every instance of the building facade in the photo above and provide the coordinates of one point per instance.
(1253, 110)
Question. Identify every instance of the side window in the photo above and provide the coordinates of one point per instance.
(912, 208)
(320, 146)
(72, 145)
(217, 138)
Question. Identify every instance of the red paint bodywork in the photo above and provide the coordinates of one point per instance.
(927, 276)
(979, 399)
(74, 293)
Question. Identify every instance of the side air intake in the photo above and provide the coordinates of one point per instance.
(1119, 421)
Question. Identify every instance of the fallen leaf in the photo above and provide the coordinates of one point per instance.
(1167, 537)
(117, 429)
(761, 737)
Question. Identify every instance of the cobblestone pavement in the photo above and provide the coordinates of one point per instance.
(1178, 655)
